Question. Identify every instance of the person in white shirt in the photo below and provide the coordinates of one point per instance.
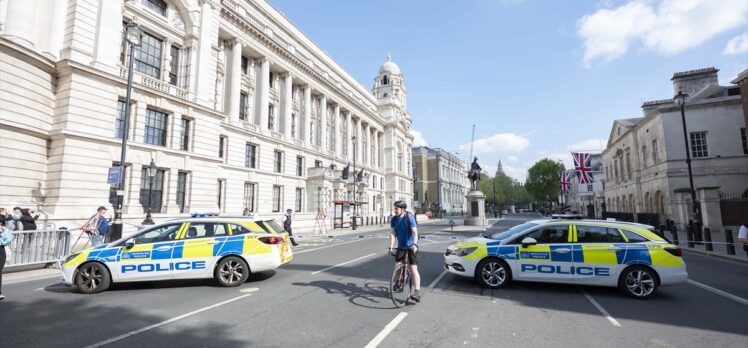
(743, 236)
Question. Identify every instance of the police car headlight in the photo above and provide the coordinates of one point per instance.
(464, 251)
(69, 258)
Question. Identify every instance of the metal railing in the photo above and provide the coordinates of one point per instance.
(38, 247)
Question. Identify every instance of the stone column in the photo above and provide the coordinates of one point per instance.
(131, 204)
(338, 148)
(235, 80)
(359, 150)
(108, 35)
(711, 211)
(208, 34)
(307, 117)
(365, 153)
(288, 97)
(323, 123)
(19, 22)
(349, 134)
(375, 142)
(263, 92)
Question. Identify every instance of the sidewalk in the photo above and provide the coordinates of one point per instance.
(360, 230)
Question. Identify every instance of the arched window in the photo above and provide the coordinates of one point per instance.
(647, 202)
(399, 157)
(385, 80)
(644, 156)
(632, 202)
(659, 203)
(158, 6)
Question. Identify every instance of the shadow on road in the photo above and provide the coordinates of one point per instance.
(374, 295)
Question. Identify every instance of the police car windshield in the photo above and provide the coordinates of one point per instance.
(512, 231)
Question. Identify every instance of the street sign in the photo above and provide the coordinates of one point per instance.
(115, 176)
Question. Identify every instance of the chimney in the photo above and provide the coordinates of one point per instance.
(693, 81)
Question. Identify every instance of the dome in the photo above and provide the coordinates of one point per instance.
(389, 67)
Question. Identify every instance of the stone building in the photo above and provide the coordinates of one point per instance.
(645, 159)
(440, 180)
(235, 105)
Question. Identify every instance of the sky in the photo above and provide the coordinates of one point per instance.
(537, 78)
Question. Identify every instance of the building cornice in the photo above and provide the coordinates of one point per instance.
(24, 53)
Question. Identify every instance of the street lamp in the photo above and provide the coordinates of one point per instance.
(353, 139)
(133, 37)
(680, 99)
(152, 169)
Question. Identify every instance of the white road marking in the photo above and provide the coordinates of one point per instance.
(387, 329)
(601, 309)
(344, 263)
(58, 276)
(37, 289)
(325, 247)
(436, 281)
(135, 332)
(718, 292)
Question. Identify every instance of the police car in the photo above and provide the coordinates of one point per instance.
(587, 252)
(224, 248)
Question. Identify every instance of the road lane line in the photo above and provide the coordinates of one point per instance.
(386, 331)
(344, 263)
(135, 332)
(325, 247)
(718, 292)
(601, 309)
(436, 281)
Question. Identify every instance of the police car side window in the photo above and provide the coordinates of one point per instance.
(634, 237)
(597, 234)
(239, 229)
(549, 235)
(159, 234)
(206, 230)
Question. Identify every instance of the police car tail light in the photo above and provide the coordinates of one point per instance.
(271, 240)
(676, 251)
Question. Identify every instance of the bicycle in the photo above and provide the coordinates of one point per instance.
(401, 280)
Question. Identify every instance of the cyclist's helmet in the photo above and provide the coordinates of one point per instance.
(401, 204)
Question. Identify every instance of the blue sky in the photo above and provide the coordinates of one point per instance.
(537, 78)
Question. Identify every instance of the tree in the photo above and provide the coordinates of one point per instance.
(543, 180)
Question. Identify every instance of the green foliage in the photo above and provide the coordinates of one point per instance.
(543, 180)
(501, 190)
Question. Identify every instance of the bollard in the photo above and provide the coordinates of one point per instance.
(708, 238)
(730, 242)
(689, 235)
(674, 230)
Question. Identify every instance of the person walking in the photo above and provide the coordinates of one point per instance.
(743, 236)
(97, 227)
(28, 221)
(287, 226)
(6, 236)
(14, 223)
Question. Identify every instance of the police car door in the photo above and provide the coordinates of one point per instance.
(550, 259)
(151, 256)
(201, 242)
(597, 252)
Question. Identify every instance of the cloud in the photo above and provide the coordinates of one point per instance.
(737, 45)
(419, 140)
(673, 27)
(513, 158)
(590, 145)
(498, 143)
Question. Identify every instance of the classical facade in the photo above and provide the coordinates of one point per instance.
(440, 180)
(237, 108)
(645, 159)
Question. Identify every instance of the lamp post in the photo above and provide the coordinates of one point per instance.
(353, 140)
(680, 99)
(134, 35)
(152, 169)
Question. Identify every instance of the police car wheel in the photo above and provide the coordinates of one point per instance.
(492, 273)
(232, 271)
(638, 282)
(92, 278)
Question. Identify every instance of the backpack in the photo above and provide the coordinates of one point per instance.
(407, 221)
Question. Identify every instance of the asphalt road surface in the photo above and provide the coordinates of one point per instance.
(334, 294)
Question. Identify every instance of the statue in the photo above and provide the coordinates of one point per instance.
(474, 174)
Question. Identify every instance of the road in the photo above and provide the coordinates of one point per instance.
(334, 294)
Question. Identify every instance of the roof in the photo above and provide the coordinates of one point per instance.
(695, 72)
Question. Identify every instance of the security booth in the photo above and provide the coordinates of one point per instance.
(342, 214)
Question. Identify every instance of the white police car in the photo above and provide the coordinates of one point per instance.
(224, 248)
(589, 252)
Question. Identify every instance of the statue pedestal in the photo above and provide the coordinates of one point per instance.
(476, 212)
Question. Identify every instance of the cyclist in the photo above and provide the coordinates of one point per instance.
(403, 228)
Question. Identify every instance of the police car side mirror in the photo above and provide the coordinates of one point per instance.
(129, 243)
(528, 241)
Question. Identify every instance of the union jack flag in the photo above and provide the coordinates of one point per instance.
(564, 183)
(583, 167)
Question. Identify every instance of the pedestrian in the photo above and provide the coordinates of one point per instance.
(14, 224)
(287, 226)
(6, 236)
(743, 236)
(246, 212)
(5, 217)
(97, 227)
(29, 222)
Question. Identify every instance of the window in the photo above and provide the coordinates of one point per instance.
(243, 106)
(220, 195)
(174, 65)
(628, 163)
(299, 166)
(318, 163)
(249, 196)
(159, 6)
(206, 230)
(270, 81)
(548, 235)
(634, 237)
(222, 143)
(374, 182)
(293, 126)
(385, 80)
(744, 137)
(644, 156)
(245, 65)
(155, 127)
(119, 123)
(299, 195)
(271, 117)
(151, 196)
(589, 188)
(381, 183)
(698, 145)
(276, 199)
(597, 234)
(655, 152)
(148, 56)
(250, 155)
(278, 161)
(181, 190)
(184, 135)
(158, 234)
(239, 229)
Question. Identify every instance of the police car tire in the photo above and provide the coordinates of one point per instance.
(647, 272)
(486, 263)
(235, 263)
(92, 278)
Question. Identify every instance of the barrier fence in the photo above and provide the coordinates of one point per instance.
(37, 247)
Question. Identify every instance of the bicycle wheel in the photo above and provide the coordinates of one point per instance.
(400, 286)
